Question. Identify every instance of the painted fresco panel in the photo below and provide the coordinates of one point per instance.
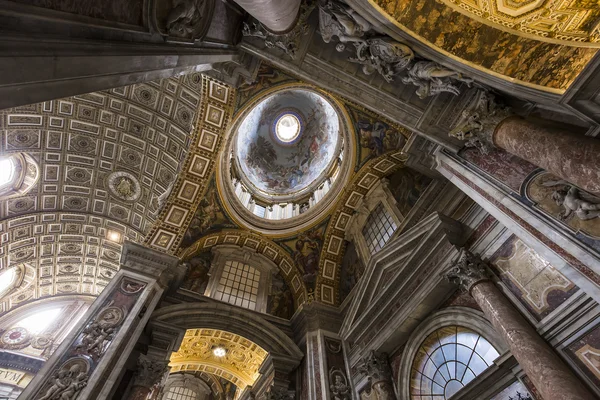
(539, 286)
(352, 270)
(407, 186)
(197, 277)
(281, 301)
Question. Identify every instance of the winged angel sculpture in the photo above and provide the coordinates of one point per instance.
(574, 202)
(382, 54)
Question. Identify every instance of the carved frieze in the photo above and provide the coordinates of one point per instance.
(183, 20)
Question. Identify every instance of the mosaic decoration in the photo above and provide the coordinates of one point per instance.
(280, 302)
(537, 284)
(546, 66)
(274, 252)
(239, 365)
(216, 106)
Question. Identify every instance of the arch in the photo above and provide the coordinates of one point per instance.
(451, 316)
(224, 317)
(271, 250)
(334, 246)
(199, 387)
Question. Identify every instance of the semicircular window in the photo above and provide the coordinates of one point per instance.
(447, 360)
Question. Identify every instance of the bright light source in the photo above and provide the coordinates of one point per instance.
(114, 236)
(287, 128)
(7, 171)
(39, 321)
(7, 278)
(219, 351)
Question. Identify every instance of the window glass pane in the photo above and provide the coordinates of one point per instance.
(238, 285)
(447, 360)
(379, 228)
(181, 393)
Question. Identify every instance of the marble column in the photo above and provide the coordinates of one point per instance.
(278, 16)
(150, 372)
(377, 367)
(89, 362)
(572, 157)
(549, 373)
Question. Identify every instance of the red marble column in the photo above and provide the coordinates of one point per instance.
(550, 375)
(573, 157)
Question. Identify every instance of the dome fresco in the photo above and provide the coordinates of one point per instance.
(287, 141)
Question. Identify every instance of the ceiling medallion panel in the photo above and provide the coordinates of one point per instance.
(221, 353)
(124, 186)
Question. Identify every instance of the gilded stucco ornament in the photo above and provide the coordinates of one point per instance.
(288, 41)
(376, 52)
(467, 270)
(477, 123)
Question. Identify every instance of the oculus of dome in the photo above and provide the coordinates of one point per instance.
(288, 127)
(269, 163)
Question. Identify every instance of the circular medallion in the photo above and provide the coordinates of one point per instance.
(15, 336)
(124, 186)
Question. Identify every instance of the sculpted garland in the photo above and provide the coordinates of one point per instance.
(382, 54)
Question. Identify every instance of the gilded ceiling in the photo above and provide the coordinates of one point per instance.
(239, 365)
(543, 44)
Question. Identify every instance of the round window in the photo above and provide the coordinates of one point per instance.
(287, 128)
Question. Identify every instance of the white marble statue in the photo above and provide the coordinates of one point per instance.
(338, 19)
(574, 202)
(384, 55)
(431, 79)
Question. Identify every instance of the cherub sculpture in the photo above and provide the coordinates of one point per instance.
(575, 202)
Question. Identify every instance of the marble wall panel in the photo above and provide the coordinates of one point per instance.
(539, 286)
(585, 353)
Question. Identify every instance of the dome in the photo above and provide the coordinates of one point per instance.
(287, 142)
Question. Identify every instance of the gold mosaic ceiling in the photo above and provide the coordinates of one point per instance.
(542, 44)
(240, 364)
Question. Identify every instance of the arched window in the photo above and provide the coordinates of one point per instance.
(447, 360)
(181, 393)
(8, 278)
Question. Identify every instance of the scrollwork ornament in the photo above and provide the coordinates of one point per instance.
(289, 41)
(467, 270)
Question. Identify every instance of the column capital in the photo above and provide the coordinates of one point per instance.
(467, 270)
(377, 367)
(150, 371)
(479, 121)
